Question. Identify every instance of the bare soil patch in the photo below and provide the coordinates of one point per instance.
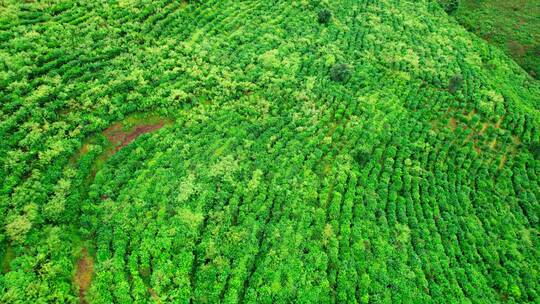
(121, 138)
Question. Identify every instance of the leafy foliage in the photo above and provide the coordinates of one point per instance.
(340, 72)
(455, 84)
(449, 6)
(324, 16)
(173, 152)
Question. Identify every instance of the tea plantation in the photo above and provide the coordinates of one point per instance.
(352, 151)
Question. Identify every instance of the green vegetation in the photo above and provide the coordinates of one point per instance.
(340, 72)
(246, 152)
(513, 26)
(449, 6)
(325, 16)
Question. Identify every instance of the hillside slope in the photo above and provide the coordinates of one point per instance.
(513, 26)
(376, 154)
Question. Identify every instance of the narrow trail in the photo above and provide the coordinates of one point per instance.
(119, 136)
(84, 274)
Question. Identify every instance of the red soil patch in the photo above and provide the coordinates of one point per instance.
(120, 138)
(83, 276)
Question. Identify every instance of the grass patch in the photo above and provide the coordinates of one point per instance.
(512, 26)
(9, 255)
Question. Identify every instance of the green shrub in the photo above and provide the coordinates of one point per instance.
(534, 148)
(340, 72)
(324, 16)
(449, 6)
(455, 84)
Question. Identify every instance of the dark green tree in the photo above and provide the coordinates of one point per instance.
(535, 149)
(455, 84)
(449, 6)
(324, 16)
(340, 72)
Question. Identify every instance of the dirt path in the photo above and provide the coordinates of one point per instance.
(120, 134)
(83, 276)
